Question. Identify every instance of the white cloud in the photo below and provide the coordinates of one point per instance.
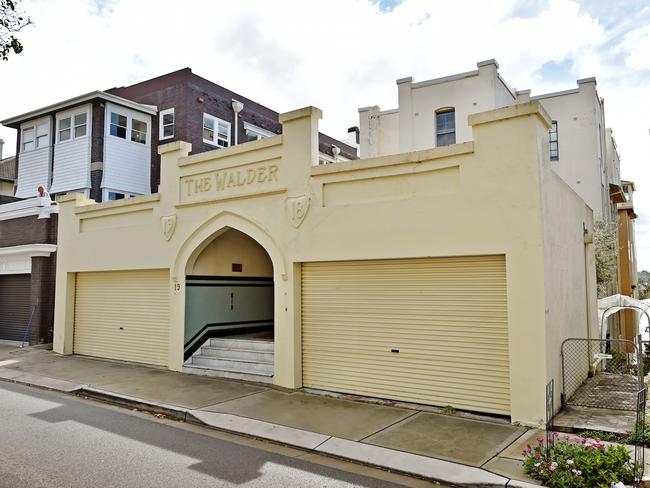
(638, 44)
(338, 55)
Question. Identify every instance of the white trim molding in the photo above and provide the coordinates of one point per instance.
(18, 259)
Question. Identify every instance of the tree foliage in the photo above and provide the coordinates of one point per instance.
(12, 21)
(606, 250)
(643, 286)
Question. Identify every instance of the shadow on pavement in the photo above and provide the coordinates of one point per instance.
(219, 459)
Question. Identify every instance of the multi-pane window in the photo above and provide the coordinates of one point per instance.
(64, 129)
(445, 127)
(216, 131)
(138, 131)
(73, 126)
(43, 135)
(28, 138)
(80, 124)
(118, 125)
(167, 119)
(35, 136)
(555, 153)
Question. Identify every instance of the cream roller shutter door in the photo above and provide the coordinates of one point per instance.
(123, 315)
(430, 330)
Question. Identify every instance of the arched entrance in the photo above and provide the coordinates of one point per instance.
(229, 308)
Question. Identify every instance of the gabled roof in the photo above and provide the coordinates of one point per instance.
(15, 121)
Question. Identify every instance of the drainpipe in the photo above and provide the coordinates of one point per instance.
(588, 239)
(237, 107)
(2, 144)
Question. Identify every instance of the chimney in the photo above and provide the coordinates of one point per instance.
(2, 143)
(353, 136)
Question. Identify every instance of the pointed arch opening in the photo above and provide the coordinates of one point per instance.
(229, 306)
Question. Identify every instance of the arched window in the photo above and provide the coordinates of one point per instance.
(445, 126)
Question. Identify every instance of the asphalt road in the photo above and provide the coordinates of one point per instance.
(53, 440)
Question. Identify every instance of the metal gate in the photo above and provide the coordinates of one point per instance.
(600, 373)
(605, 374)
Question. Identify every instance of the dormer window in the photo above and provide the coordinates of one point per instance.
(445, 127)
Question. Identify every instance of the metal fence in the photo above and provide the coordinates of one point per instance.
(550, 414)
(601, 373)
(639, 432)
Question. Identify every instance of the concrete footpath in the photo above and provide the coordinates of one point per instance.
(460, 450)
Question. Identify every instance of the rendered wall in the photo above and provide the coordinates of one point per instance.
(412, 126)
(232, 247)
(570, 276)
(581, 137)
(467, 199)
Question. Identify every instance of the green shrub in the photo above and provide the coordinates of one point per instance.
(636, 437)
(618, 364)
(583, 463)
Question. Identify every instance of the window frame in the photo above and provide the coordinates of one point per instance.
(215, 131)
(162, 125)
(556, 142)
(125, 126)
(34, 126)
(130, 116)
(444, 132)
(258, 131)
(72, 114)
(134, 130)
(106, 192)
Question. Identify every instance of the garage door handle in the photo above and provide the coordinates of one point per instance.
(121, 328)
(394, 350)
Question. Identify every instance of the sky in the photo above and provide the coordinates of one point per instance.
(340, 55)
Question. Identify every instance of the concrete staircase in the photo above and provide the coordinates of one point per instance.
(243, 359)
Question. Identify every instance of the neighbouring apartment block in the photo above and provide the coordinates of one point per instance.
(104, 144)
(583, 151)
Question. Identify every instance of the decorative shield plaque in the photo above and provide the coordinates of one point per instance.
(168, 226)
(297, 208)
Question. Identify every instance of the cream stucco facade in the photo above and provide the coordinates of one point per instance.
(494, 196)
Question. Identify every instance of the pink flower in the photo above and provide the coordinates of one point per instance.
(569, 462)
(540, 440)
(555, 434)
(553, 466)
(577, 472)
(538, 456)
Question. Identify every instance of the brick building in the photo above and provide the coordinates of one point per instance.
(104, 144)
